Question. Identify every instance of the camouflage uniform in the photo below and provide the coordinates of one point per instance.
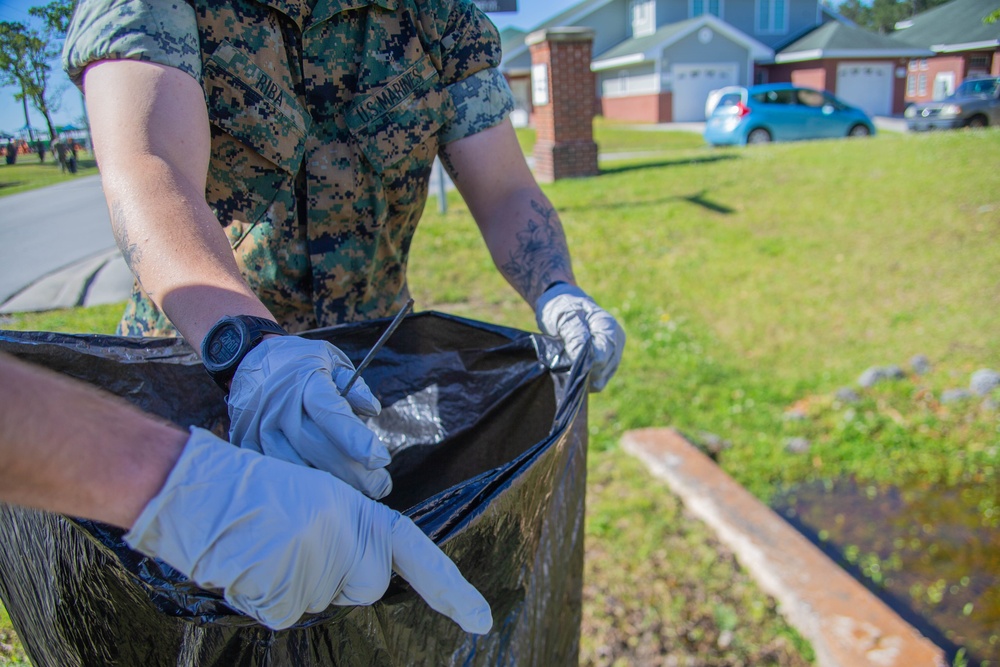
(326, 117)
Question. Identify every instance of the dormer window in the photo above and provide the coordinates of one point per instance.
(699, 7)
(772, 16)
(643, 16)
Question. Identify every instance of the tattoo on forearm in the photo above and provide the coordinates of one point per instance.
(541, 256)
(130, 251)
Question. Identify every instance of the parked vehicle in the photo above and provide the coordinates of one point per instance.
(782, 112)
(715, 96)
(975, 103)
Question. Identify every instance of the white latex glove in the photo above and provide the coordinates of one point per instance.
(567, 312)
(281, 540)
(285, 402)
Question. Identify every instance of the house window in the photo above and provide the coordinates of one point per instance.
(699, 7)
(643, 15)
(923, 63)
(911, 85)
(979, 62)
(922, 84)
(913, 65)
(772, 16)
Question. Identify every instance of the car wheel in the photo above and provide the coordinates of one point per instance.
(758, 136)
(976, 122)
(859, 131)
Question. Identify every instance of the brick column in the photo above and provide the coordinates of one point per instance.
(564, 145)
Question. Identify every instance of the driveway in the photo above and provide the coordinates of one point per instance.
(882, 123)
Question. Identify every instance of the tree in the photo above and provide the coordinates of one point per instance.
(24, 62)
(882, 15)
(56, 15)
(856, 11)
(885, 14)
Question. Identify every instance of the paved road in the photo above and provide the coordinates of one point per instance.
(57, 249)
(50, 231)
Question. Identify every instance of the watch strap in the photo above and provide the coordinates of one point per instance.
(256, 327)
(265, 325)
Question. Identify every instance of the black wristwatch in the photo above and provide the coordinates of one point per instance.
(229, 340)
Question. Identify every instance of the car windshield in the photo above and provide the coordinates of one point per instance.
(984, 87)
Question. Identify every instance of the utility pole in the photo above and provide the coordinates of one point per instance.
(442, 194)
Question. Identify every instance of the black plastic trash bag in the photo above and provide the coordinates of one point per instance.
(488, 435)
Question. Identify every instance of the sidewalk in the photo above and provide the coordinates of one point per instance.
(96, 280)
(57, 249)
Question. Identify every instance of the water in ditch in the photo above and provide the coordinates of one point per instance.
(931, 553)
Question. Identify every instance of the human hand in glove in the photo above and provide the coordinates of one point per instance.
(567, 312)
(282, 540)
(285, 402)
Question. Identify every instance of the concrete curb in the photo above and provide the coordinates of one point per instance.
(847, 625)
(111, 284)
(94, 280)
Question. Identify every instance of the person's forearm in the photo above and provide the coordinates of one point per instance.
(519, 225)
(152, 141)
(187, 267)
(68, 447)
(527, 243)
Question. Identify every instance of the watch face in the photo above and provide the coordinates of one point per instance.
(225, 345)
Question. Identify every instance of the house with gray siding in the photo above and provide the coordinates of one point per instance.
(657, 60)
(863, 68)
(962, 44)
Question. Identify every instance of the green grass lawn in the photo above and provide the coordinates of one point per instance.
(752, 283)
(28, 173)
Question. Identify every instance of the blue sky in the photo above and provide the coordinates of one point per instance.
(530, 13)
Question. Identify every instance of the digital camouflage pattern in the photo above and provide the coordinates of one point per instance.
(326, 118)
(161, 32)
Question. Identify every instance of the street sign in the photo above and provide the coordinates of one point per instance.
(497, 5)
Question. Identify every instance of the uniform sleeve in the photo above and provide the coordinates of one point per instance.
(470, 60)
(159, 31)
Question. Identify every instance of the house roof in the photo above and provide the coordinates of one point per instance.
(640, 45)
(511, 37)
(570, 14)
(839, 40)
(514, 45)
(639, 49)
(827, 14)
(954, 26)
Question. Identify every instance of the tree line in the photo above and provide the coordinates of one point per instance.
(26, 54)
(881, 16)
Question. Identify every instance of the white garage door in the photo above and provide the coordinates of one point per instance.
(867, 86)
(693, 83)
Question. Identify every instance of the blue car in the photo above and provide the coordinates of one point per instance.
(782, 112)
